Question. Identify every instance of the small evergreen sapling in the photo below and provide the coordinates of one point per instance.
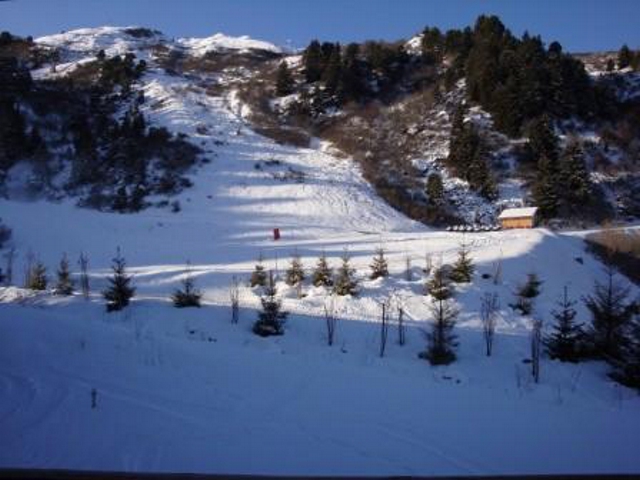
(564, 343)
(64, 285)
(259, 275)
(379, 266)
(323, 274)
(37, 279)
(611, 312)
(526, 294)
(462, 271)
(345, 283)
(439, 285)
(120, 291)
(188, 295)
(627, 369)
(441, 341)
(295, 273)
(271, 319)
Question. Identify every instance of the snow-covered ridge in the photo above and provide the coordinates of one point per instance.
(219, 41)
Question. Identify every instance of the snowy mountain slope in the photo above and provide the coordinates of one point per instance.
(221, 42)
(184, 390)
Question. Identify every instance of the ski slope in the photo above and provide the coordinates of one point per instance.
(187, 391)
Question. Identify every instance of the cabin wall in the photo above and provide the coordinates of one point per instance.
(524, 222)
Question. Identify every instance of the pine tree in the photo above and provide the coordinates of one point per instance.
(439, 285)
(379, 267)
(564, 342)
(441, 341)
(37, 277)
(271, 319)
(259, 275)
(345, 283)
(323, 274)
(188, 295)
(526, 294)
(624, 57)
(611, 313)
(574, 175)
(545, 188)
(627, 369)
(120, 290)
(313, 62)
(64, 286)
(543, 142)
(284, 80)
(295, 272)
(435, 189)
(611, 65)
(462, 271)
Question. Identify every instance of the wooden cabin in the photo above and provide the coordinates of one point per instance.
(518, 218)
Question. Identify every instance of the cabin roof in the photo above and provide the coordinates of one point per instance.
(527, 212)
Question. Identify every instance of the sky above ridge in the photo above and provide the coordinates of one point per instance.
(579, 25)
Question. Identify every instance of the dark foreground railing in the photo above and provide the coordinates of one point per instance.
(37, 474)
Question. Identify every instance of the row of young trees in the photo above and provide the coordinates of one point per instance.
(613, 336)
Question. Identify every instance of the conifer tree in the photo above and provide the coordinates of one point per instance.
(284, 80)
(441, 341)
(611, 312)
(188, 295)
(545, 188)
(543, 142)
(259, 275)
(564, 342)
(624, 57)
(313, 62)
(435, 189)
(271, 319)
(345, 283)
(526, 294)
(323, 274)
(38, 277)
(379, 266)
(462, 271)
(627, 369)
(295, 272)
(120, 291)
(439, 285)
(574, 175)
(64, 285)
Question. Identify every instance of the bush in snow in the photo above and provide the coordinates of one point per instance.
(345, 283)
(536, 342)
(489, 307)
(234, 297)
(83, 261)
(611, 313)
(259, 275)
(120, 291)
(526, 294)
(64, 285)
(188, 295)
(462, 270)
(441, 341)
(271, 319)
(627, 369)
(295, 272)
(37, 276)
(323, 274)
(439, 285)
(565, 343)
(379, 267)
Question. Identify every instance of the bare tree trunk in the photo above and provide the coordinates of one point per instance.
(488, 314)
(536, 340)
(234, 296)
(83, 261)
(10, 256)
(401, 328)
(497, 271)
(28, 269)
(330, 320)
(428, 263)
(407, 269)
(384, 328)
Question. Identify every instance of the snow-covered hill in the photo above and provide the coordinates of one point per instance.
(185, 390)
